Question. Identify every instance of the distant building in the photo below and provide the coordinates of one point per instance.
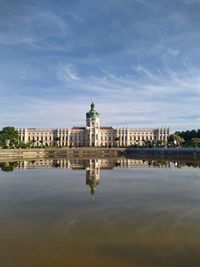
(92, 135)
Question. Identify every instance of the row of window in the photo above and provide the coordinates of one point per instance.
(81, 133)
(136, 138)
(73, 138)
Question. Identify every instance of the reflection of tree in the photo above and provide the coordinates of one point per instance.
(159, 164)
(193, 164)
(180, 164)
(8, 166)
(57, 164)
(93, 166)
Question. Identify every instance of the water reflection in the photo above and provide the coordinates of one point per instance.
(8, 166)
(94, 165)
(146, 213)
(93, 175)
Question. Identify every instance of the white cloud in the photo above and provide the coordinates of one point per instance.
(153, 100)
(124, 62)
(68, 72)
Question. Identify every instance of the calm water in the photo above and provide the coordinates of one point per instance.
(99, 213)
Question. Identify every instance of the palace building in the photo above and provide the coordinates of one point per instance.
(92, 135)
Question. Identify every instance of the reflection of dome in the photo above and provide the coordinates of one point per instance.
(92, 113)
(92, 184)
(93, 192)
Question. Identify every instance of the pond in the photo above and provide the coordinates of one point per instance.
(99, 212)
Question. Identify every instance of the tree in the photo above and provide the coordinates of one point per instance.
(196, 141)
(148, 143)
(8, 137)
(178, 140)
(160, 143)
(21, 145)
(188, 136)
(116, 139)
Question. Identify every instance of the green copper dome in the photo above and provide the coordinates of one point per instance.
(92, 113)
(92, 184)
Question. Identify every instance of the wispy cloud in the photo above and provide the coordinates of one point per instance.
(139, 60)
(67, 73)
(32, 29)
(143, 99)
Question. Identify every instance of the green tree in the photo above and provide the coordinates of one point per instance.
(158, 143)
(8, 166)
(148, 143)
(188, 136)
(8, 137)
(196, 141)
(21, 145)
(178, 140)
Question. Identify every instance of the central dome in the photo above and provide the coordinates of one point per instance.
(92, 113)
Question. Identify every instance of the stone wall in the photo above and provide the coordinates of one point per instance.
(166, 153)
(21, 153)
(6, 154)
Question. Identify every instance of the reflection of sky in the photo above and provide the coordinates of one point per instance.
(120, 190)
(154, 212)
(56, 55)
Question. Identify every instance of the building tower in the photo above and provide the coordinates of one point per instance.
(93, 126)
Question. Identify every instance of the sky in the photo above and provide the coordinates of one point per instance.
(138, 60)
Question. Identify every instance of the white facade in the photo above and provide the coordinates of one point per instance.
(92, 135)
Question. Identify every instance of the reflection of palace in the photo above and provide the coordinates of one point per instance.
(93, 175)
(92, 166)
(92, 135)
(89, 164)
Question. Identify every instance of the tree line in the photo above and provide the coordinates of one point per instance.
(186, 138)
(9, 137)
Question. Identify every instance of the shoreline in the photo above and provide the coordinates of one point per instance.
(163, 153)
(96, 152)
(90, 152)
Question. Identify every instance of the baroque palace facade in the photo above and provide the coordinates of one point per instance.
(92, 135)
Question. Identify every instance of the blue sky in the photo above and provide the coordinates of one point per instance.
(138, 59)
